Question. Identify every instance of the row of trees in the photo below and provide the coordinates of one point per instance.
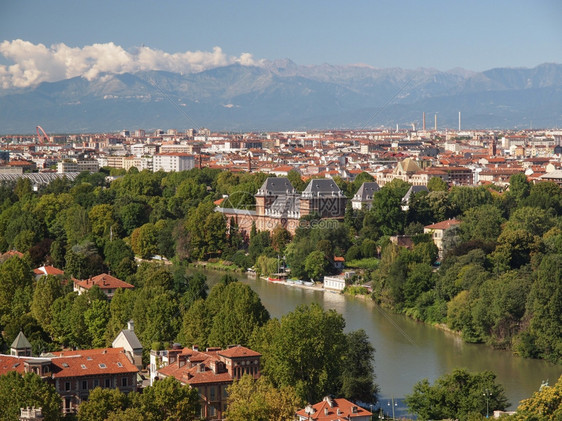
(500, 280)
(490, 285)
(458, 395)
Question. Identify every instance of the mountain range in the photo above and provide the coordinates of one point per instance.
(281, 95)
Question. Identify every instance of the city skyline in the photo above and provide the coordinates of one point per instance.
(49, 41)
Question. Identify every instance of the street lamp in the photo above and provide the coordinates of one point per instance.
(487, 394)
(393, 405)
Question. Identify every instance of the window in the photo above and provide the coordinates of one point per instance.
(212, 393)
(224, 392)
(124, 382)
(96, 382)
(102, 365)
(84, 384)
(119, 364)
(67, 386)
(107, 382)
(212, 411)
(83, 366)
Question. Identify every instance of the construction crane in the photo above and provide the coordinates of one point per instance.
(41, 135)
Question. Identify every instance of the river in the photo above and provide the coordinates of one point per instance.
(408, 351)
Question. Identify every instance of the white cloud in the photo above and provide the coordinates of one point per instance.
(36, 63)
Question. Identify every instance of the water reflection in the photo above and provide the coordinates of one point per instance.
(408, 351)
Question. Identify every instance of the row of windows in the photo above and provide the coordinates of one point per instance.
(95, 383)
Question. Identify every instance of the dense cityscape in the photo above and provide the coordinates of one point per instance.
(104, 237)
(280, 211)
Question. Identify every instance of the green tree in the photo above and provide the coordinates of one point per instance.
(458, 395)
(96, 319)
(266, 266)
(358, 378)
(280, 237)
(155, 315)
(206, 230)
(47, 290)
(437, 184)
(519, 187)
(316, 265)
(102, 220)
(545, 308)
(120, 312)
(259, 400)
(386, 212)
(545, 195)
(17, 391)
(196, 325)
(464, 198)
(237, 311)
(482, 223)
(296, 180)
(305, 352)
(544, 405)
(120, 258)
(101, 403)
(76, 224)
(168, 400)
(132, 215)
(144, 240)
(15, 275)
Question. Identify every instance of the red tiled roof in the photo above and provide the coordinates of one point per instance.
(9, 363)
(92, 362)
(323, 411)
(104, 281)
(12, 253)
(239, 351)
(443, 225)
(48, 270)
(77, 363)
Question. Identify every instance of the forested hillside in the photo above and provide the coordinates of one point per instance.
(500, 282)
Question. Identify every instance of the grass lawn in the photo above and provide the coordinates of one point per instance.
(367, 263)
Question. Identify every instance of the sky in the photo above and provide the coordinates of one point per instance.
(48, 40)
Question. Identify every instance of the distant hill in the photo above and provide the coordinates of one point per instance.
(283, 95)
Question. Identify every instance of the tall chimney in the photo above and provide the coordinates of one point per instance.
(459, 121)
(435, 121)
(424, 121)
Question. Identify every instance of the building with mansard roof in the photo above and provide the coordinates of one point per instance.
(364, 196)
(279, 204)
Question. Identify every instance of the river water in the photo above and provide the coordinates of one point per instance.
(408, 351)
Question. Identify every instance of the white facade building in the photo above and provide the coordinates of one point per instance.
(173, 162)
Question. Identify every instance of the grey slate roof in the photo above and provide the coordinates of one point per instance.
(276, 186)
(285, 204)
(131, 337)
(413, 191)
(366, 191)
(20, 342)
(322, 188)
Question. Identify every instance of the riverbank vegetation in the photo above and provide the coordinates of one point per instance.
(498, 282)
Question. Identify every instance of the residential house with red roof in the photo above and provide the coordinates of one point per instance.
(438, 231)
(47, 270)
(330, 409)
(107, 283)
(210, 372)
(74, 373)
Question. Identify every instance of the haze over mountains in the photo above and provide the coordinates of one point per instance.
(282, 95)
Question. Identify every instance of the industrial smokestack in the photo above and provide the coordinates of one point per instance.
(459, 121)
